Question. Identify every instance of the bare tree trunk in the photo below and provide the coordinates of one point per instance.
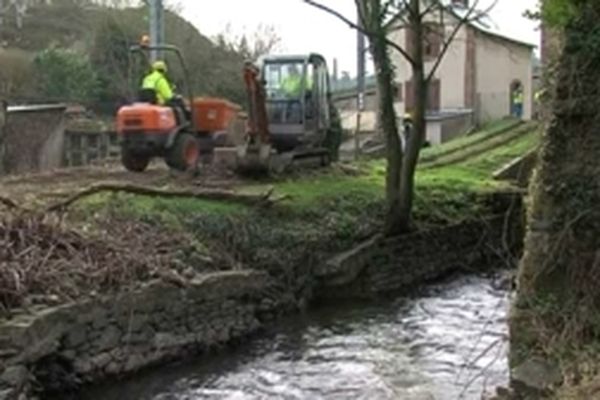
(389, 125)
(417, 136)
(413, 148)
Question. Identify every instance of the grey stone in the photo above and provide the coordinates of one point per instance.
(83, 366)
(8, 352)
(165, 340)
(144, 336)
(7, 394)
(15, 376)
(137, 361)
(536, 374)
(99, 318)
(69, 354)
(109, 339)
(117, 354)
(101, 360)
(135, 323)
(113, 368)
(76, 337)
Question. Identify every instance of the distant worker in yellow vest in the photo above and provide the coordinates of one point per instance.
(518, 102)
(157, 81)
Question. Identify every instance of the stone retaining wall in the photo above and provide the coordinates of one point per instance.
(99, 338)
(387, 265)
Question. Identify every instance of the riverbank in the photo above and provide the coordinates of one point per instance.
(442, 341)
(319, 214)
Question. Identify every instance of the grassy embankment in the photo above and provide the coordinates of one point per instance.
(328, 211)
(121, 241)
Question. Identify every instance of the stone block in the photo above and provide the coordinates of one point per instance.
(83, 366)
(76, 337)
(113, 368)
(15, 376)
(536, 375)
(101, 360)
(134, 323)
(69, 354)
(109, 339)
(144, 336)
(8, 394)
(99, 318)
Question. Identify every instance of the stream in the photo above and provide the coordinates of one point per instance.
(445, 341)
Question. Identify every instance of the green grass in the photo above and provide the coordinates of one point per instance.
(443, 195)
(487, 131)
(490, 161)
(172, 212)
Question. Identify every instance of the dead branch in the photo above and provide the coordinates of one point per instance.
(8, 203)
(264, 199)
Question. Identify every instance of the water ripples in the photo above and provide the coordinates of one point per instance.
(448, 342)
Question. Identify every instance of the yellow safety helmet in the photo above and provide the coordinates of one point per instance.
(159, 66)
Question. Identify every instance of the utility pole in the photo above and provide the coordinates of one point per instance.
(360, 85)
(157, 26)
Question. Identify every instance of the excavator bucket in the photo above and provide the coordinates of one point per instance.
(254, 156)
(254, 159)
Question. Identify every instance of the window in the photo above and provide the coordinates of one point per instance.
(433, 39)
(284, 79)
(398, 94)
(433, 96)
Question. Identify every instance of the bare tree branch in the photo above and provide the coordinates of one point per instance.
(338, 15)
(470, 16)
(369, 33)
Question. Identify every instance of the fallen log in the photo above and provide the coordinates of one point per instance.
(263, 199)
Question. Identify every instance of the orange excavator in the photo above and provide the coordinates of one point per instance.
(279, 128)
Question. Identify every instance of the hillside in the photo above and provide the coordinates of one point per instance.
(104, 34)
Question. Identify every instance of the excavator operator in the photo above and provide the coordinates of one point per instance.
(292, 84)
(292, 88)
(157, 82)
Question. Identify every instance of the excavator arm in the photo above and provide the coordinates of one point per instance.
(258, 124)
(255, 154)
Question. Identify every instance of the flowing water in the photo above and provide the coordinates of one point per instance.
(448, 341)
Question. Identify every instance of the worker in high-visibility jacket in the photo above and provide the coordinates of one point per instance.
(518, 103)
(292, 83)
(157, 81)
(291, 87)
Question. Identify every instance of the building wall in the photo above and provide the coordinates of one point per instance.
(33, 139)
(499, 63)
(450, 71)
(476, 72)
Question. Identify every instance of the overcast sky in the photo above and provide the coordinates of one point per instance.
(304, 29)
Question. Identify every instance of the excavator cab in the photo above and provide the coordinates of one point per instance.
(297, 100)
(290, 116)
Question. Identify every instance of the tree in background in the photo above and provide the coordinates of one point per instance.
(427, 22)
(15, 74)
(65, 75)
(260, 42)
(111, 59)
